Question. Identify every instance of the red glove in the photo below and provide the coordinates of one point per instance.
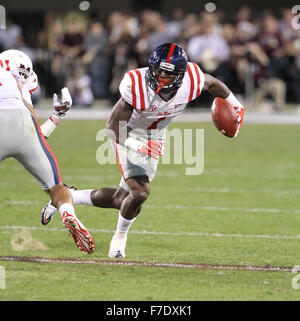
(152, 148)
(240, 111)
(231, 99)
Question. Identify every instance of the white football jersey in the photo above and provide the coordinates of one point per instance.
(10, 94)
(150, 111)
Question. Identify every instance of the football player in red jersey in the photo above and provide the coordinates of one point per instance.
(150, 98)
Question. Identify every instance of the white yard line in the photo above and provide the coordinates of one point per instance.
(225, 209)
(162, 233)
(187, 207)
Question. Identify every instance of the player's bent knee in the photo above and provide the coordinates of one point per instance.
(139, 196)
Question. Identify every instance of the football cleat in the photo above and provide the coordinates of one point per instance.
(117, 246)
(49, 210)
(47, 213)
(81, 236)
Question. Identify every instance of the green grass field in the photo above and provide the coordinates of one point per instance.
(243, 210)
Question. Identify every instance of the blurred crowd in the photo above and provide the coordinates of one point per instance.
(257, 54)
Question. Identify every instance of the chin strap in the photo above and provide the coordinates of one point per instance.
(162, 82)
(158, 89)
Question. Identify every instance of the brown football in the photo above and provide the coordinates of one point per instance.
(224, 117)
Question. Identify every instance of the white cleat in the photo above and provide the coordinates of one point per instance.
(49, 210)
(117, 246)
(47, 213)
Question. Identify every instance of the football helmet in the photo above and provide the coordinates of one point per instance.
(17, 62)
(172, 59)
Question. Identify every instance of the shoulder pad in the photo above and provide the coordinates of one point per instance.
(133, 89)
(196, 80)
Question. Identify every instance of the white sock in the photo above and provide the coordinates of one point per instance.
(82, 196)
(66, 207)
(124, 225)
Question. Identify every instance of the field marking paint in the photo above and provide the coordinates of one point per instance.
(21, 202)
(200, 234)
(2, 278)
(207, 208)
(227, 190)
(223, 209)
(150, 264)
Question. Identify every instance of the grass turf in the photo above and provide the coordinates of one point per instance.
(242, 210)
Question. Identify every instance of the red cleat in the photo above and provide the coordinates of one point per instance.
(81, 236)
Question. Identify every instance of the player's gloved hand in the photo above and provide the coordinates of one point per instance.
(232, 100)
(240, 111)
(62, 106)
(152, 148)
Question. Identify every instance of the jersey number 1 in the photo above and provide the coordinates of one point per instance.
(6, 63)
(154, 124)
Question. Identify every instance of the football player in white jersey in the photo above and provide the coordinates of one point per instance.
(150, 98)
(21, 138)
(13, 59)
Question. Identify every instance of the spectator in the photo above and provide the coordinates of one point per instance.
(82, 92)
(268, 79)
(244, 14)
(175, 25)
(286, 30)
(257, 54)
(190, 28)
(160, 32)
(10, 36)
(141, 47)
(72, 39)
(121, 48)
(208, 49)
(296, 78)
(247, 57)
(97, 59)
(291, 70)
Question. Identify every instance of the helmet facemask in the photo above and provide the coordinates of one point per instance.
(160, 84)
(23, 72)
(167, 67)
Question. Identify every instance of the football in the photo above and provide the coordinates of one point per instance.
(224, 117)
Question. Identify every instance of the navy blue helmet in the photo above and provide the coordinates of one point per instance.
(170, 58)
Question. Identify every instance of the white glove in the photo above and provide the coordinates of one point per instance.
(62, 107)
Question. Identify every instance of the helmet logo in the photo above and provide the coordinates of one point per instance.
(25, 72)
(166, 66)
